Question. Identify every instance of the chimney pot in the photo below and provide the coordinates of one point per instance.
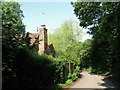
(43, 26)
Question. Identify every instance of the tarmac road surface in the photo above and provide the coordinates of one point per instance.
(93, 82)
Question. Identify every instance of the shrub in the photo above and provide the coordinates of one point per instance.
(33, 70)
(69, 81)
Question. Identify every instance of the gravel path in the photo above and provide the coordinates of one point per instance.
(92, 81)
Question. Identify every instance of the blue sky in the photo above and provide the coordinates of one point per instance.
(52, 14)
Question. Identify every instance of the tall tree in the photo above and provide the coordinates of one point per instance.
(66, 36)
(12, 27)
(12, 19)
(103, 21)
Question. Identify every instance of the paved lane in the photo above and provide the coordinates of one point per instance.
(93, 82)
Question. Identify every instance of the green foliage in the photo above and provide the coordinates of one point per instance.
(69, 81)
(85, 54)
(65, 37)
(61, 85)
(34, 71)
(73, 76)
(59, 63)
(66, 40)
(22, 68)
(11, 26)
(11, 19)
(103, 21)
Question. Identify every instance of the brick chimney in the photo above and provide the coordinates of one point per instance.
(42, 39)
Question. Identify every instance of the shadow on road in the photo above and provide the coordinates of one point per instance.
(109, 83)
(90, 81)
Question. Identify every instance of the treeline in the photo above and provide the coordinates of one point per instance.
(103, 21)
